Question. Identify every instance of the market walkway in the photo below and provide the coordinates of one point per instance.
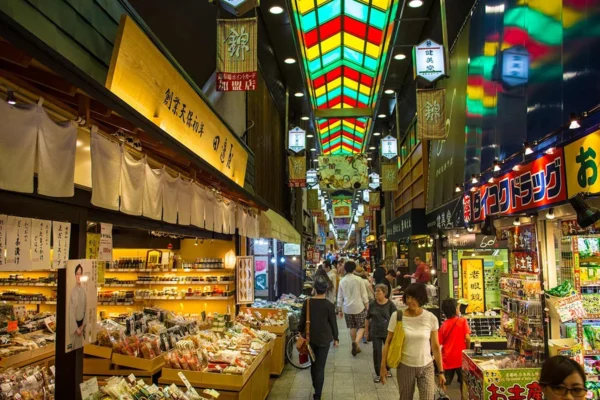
(346, 377)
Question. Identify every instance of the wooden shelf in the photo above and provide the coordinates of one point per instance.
(184, 283)
(200, 298)
(28, 284)
(167, 271)
(48, 302)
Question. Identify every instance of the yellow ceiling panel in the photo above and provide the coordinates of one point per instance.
(373, 50)
(313, 53)
(354, 43)
(364, 89)
(331, 43)
(334, 84)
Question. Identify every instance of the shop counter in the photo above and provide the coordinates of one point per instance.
(486, 377)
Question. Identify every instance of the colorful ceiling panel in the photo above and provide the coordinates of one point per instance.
(344, 45)
(342, 135)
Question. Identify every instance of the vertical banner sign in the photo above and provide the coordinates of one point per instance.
(3, 219)
(361, 222)
(375, 201)
(61, 240)
(431, 114)
(82, 292)
(261, 276)
(18, 244)
(40, 243)
(297, 140)
(92, 246)
(312, 199)
(236, 54)
(389, 147)
(245, 280)
(106, 243)
(389, 174)
(472, 284)
(297, 170)
(368, 213)
(428, 58)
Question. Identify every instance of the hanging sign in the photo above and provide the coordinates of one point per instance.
(92, 246)
(515, 66)
(388, 177)
(106, 243)
(3, 219)
(472, 284)
(431, 114)
(536, 184)
(375, 201)
(297, 171)
(374, 181)
(171, 102)
(18, 244)
(40, 244)
(61, 241)
(82, 300)
(236, 54)
(244, 287)
(312, 199)
(238, 7)
(581, 162)
(341, 208)
(448, 216)
(344, 172)
(311, 178)
(410, 223)
(428, 58)
(389, 147)
(297, 140)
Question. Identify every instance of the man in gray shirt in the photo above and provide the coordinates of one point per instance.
(353, 300)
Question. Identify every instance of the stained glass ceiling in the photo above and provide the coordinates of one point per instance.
(344, 45)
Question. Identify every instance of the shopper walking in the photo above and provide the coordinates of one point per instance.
(365, 279)
(562, 378)
(454, 336)
(330, 293)
(376, 325)
(333, 277)
(420, 340)
(323, 330)
(352, 298)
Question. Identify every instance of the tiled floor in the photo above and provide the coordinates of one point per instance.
(346, 377)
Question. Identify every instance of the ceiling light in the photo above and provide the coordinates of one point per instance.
(372, 148)
(528, 149)
(550, 214)
(305, 118)
(79, 143)
(381, 116)
(549, 150)
(299, 94)
(196, 242)
(491, 180)
(377, 134)
(389, 91)
(457, 189)
(310, 135)
(415, 3)
(517, 222)
(369, 158)
(290, 60)
(473, 188)
(496, 165)
(515, 168)
(86, 148)
(574, 122)
(313, 149)
(470, 228)
(273, 260)
(474, 179)
(10, 98)
(456, 234)
(315, 160)
(399, 56)
(275, 10)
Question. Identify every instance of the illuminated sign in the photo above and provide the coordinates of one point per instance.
(428, 58)
(389, 147)
(297, 141)
(515, 66)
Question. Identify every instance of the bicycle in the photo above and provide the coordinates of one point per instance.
(291, 352)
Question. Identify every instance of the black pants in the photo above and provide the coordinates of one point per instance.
(317, 368)
(449, 373)
(377, 350)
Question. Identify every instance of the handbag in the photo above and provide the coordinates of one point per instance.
(302, 344)
(394, 355)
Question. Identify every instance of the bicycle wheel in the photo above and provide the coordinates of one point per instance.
(292, 355)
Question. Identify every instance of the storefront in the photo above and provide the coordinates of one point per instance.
(407, 238)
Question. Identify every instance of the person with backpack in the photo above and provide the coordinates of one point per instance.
(376, 324)
(454, 336)
(412, 337)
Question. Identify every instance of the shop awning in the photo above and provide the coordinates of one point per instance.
(275, 226)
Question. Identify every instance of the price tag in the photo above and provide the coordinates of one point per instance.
(13, 326)
(6, 387)
(131, 378)
(53, 370)
(212, 392)
(187, 383)
(89, 388)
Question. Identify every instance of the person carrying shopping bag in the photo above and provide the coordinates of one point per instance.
(412, 336)
(378, 319)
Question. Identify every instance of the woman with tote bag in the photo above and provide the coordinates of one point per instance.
(412, 335)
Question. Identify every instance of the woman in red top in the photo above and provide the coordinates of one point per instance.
(454, 336)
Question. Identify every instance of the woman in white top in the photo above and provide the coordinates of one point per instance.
(420, 338)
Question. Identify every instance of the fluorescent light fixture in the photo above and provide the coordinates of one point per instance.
(310, 135)
(389, 91)
(276, 10)
(372, 148)
(369, 158)
(290, 60)
(313, 149)
(399, 56)
(415, 3)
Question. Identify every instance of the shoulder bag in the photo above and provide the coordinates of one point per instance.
(302, 344)
(394, 355)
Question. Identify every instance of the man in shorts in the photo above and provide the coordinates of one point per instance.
(353, 299)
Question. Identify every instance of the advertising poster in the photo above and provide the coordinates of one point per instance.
(18, 244)
(344, 172)
(261, 276)
(245, 280)
(82, 296)
(92, 246)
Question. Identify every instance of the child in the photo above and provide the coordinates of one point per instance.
(454, 337)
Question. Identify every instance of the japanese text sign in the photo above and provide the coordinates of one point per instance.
(297, 170)
(61, 241)
(570, 308)
(341, 208)
(431, 118)
(18, 244)
(236, 54)
(297, 140)
(106, 242)
(146, 80)
(581, 162)
(3, 219)
(428, 58)
(40, 244)
(389, 147)
(536, 184)
(472, 284)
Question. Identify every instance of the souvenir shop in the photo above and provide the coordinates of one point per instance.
(124, 247)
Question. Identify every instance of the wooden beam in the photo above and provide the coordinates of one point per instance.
(84, 110)
(344, 113)
(40, 77)
(16, 56)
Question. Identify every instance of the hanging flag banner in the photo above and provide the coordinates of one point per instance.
(40, 243)
(341, 208)
(312, 198)
(361, 222)
(18, 244)
(388, 177)
(92, 246)
(297, 140)
(375, 201)
(61, 240)
(344, 172)
(368, 213)
(236, 54)
(536, 184)
(389, 147)
(297, 171)
(3, 219)
(428, 59)
(106, 243)
(431, 114)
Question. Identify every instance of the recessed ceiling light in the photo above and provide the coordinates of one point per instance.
(376, 133)
(381, 116)
(399, 56)
(389, 91)
(305, 118)
(415, 3)
(372, 148)
(299, 94)
(275, 10)
(310, 135)
(313, 149)
(369, 158)
(290, 60)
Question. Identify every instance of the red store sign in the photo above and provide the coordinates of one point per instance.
(540, 183)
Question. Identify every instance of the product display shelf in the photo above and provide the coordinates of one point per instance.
(42, 283)
(41, 356)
